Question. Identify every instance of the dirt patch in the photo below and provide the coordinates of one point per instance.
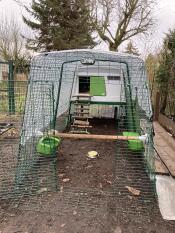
(88, 200)
(9, 146)
(84, 173)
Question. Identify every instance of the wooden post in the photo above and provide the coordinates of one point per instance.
(157, 106)
(93, 136)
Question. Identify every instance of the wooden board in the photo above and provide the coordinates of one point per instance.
(165, 150)
(77, 122)
(160, 168)
(93, 136)
(167, 123)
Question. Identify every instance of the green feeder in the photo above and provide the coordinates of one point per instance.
(48, 145)
(134, 145)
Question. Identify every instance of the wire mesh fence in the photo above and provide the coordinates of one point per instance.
(19, 94)
(118, 103)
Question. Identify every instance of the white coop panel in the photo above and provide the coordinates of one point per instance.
(112, 75)
(102, 111)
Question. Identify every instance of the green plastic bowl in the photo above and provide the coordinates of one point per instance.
(134, 145)
(48, 145)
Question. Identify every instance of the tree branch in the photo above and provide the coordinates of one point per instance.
(134, 17)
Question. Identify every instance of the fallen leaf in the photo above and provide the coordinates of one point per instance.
(61, 175)
(11, 215)
(66, 180)
(134, 191)
(130, 197)
(75, 212)
(89, 166)
(42, 190)
(62, 225)
(109, 182)
(118, 230)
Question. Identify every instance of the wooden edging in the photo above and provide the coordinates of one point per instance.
(167, 123)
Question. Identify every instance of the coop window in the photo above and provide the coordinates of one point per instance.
(94, 85)
(116, 78)
(84, 84)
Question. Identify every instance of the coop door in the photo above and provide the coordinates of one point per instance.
(84, 85)
(97, 86)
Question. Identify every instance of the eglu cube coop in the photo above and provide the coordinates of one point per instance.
(67, 90)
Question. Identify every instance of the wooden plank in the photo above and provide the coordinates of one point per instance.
(81, 117)
(169, 160)
(78, 122)
(82, 126)
(81, 108)
(81, 112)
(158, 128)
(160, 167)
(93, 136)
(80, 132)
(167, 123)
(82, 95)
(164, 145)
(166, 137)
(82, 104)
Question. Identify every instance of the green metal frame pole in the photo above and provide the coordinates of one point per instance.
(128, 85)
(59, 89)
(11, 89)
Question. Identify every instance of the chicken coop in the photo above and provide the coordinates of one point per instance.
(71, 92)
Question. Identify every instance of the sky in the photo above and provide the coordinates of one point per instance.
(164, 15)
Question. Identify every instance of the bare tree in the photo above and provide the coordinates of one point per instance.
(19, 2)
(119, 20)
(12, 43)
(132, 49)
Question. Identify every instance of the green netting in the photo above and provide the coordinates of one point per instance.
(119, 102)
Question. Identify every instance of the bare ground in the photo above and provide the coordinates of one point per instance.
(92, 197)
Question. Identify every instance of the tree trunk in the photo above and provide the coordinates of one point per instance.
(114, 46)
(164, 102)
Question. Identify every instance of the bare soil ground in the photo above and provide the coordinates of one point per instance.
(88, 200)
